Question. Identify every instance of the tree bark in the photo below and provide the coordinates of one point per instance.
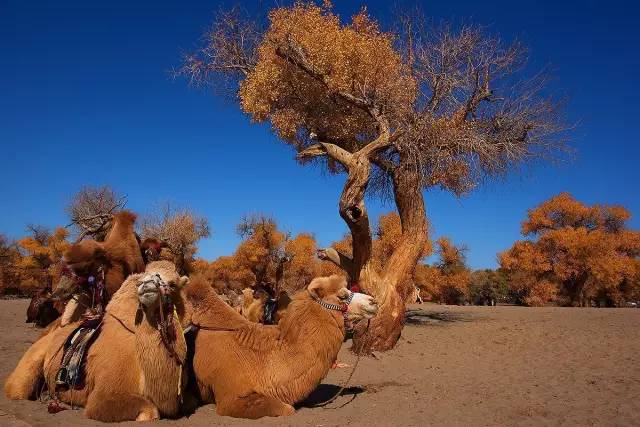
(391, 286)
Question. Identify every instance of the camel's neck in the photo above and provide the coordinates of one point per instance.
(311, 337)
(160, 372)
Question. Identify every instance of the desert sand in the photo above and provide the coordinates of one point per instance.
(467, 366)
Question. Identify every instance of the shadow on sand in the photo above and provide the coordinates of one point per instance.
(325, 392)
(424, 317)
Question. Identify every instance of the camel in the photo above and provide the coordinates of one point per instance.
(151, 249)
(106, 264)
(252, 370)
(43, 310)
(129, 374)
(254, 305)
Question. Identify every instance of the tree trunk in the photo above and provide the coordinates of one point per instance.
(391, 286)
(395, 283)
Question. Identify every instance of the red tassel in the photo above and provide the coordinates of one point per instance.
(54, 407)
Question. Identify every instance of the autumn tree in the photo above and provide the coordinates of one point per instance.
(302, 264)
(41, 253)
(487, 287)
(576, 253)
(266, 257)
(396, 111)
(180, 229)
(10, 274)
(91, 211)
(448, 280)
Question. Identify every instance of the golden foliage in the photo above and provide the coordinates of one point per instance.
(447, 281)
(33, 263)
(353, 58)
(581, 254)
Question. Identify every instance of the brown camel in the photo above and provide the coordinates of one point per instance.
(254, 302)
(43, 310)
(257, 370)
(109, 262)
(129, 374)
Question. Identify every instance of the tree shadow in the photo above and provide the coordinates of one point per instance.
(424, 317)
(325, 392)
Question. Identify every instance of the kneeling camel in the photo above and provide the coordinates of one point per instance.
(134, 367)
(252, 370)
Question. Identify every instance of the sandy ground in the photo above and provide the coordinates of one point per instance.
(479, 366)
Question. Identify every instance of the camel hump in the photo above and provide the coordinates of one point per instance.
(198, 289)
(125, 219)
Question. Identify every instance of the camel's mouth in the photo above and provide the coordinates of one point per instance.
(148, 293)
(363, 306)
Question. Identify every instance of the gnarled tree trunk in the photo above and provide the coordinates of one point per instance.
(390, 286)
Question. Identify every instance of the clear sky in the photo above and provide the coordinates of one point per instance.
(86, 99)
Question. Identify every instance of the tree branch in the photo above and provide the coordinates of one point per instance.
(294, 54)
(338, 258)
(338, 154)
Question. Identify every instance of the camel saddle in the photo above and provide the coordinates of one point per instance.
(71, 372)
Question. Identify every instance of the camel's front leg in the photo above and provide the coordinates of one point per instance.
(116, 407)
(23, 382)
(253, 406)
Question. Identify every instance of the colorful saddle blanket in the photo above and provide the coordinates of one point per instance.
(71, 372)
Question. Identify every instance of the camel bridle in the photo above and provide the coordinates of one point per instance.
(167, 321)
(343, 307)
(92, 284)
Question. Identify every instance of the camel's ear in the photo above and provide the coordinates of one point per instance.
(317, 287)
(184, 281)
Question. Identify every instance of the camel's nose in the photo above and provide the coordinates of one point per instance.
(373, 306)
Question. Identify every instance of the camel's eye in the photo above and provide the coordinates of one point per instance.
(344, 295)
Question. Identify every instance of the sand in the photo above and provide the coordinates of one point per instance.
(479, 366)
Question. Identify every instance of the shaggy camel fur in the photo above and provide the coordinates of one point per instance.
(116, 258)
(253, 305)
(256, 370)
(129, 373)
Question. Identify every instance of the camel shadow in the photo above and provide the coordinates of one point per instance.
(325, 392)
(423, 317)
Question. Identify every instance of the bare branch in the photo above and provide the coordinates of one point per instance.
(91, 210)
(324, 148)
(339, 259)
(229, 49)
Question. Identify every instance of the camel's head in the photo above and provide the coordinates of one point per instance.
(331, 292)
(160, 282)
(151, 249)
(81, 262)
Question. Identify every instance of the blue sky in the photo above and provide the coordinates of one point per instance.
(86, 99)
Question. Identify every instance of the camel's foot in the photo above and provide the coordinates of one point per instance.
(17, 388)
(148, 415)
(253, 406)
(110, 407)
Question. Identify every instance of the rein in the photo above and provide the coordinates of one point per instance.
(167, 321)
(344, 386)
